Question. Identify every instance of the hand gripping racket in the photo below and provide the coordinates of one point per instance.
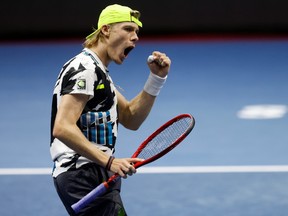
(163, 140)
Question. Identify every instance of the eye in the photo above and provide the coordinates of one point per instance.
(129, 28)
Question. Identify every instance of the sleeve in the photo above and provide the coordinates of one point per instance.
(79, 81)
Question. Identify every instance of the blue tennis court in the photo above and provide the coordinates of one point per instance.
(233, 163)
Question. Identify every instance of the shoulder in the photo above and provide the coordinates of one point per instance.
(80, 59)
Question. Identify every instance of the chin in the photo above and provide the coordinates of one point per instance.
(118, 62)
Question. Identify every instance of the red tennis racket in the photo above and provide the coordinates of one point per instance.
(155, 146)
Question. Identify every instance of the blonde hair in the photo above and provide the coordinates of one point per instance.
(92, 41)
(96, 36)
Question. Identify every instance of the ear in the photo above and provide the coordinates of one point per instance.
(105, 29)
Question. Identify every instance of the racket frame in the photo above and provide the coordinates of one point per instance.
(169, 148)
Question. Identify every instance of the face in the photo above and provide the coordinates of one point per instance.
(122, 39)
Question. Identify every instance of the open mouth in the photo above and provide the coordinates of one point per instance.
(128, 50)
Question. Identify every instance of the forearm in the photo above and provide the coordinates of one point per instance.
(136, 111)
(133, 113)
(75, 140)
(71, 136)
(67, 131)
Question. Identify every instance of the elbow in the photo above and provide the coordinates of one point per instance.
(134, 127)
(58, 131)
(130, 126)
(130, 120)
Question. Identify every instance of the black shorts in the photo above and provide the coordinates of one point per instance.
(72, 185)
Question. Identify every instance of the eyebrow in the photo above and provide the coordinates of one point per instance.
(129, 24)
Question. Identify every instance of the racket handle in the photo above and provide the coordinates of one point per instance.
(98, 191)
(150, 59)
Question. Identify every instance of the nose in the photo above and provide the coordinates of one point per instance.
(135, 37)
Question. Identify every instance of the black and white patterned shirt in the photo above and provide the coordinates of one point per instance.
(85, 74)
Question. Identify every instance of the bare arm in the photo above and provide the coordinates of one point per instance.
(67, 131)
(133, 113)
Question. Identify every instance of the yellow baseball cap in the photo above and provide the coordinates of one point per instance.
(117, 13)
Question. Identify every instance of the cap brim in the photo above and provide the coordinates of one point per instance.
(92, 34)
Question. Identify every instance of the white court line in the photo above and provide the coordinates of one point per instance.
(214, 169)
(25, 171)
(165, 169)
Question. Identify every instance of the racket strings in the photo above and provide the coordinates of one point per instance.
(165, 138)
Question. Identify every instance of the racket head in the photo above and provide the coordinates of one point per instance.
(164, 139)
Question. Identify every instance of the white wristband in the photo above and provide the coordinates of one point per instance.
(154, 84)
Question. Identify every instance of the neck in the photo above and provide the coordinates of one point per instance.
(101, 53)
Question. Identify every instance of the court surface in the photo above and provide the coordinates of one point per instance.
(233, 163)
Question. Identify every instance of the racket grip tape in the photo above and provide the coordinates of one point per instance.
(98, 191)
(150, 59)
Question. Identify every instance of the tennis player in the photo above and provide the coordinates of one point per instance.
(87, 108)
